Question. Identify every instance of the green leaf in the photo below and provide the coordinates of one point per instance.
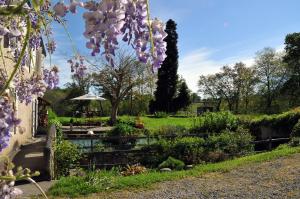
(36, 4)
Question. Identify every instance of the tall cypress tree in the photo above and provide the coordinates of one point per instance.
(183, 100)
(167, 74)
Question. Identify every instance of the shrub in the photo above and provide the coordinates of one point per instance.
(122, 136)
(295, 141)
(58, 126)
(216, 156)
(233, 143)
(211, 122)
(284, 122)
(170, 131)
(133, 170)
(126, 120)
(66, 156)
(51, 114)
(189, 149)
(156, 153)
(161, 115)
(172, 163)
(296, 130)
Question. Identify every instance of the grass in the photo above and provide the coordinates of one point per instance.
(76, 186)
(150, 123)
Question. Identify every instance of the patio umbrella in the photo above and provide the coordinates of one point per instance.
(89, 97)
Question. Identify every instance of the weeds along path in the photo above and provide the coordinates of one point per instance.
(278, 178)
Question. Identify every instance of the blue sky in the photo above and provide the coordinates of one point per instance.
(212, 33)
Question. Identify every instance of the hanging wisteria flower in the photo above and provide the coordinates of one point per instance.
(51, 77)
(60, 9)
(7, 121)
(8, 191)
(109, 19)
(78, 66)
(26, 89)
(51, 46)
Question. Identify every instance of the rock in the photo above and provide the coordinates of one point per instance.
(189, 166)
(165, 170)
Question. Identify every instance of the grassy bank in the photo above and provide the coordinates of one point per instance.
(110, 180)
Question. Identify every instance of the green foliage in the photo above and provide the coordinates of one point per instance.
(160, 114)
(67, 157)
(285, 121)
(172, 163)
(167, 73)
(159, 151)
(122, 136)
(58, 126)
(170, 131)
(122, 129)
(51, 114)
(189, 149)
(296, 130)
(126, 120)
(212, 122)
(183, 100)
(75, 186)
(232, 143)
(295, 141)
(96, 121)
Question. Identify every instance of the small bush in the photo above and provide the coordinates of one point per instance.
(158, 152)
(58, 126)
(233, 143)
(189, 149)
(126, 120)
(170, 131)
(51, 114)
(172, 163)
(296, 130)
(123, 136)
(161, 115)
(122, 130)
(67, 157)
(211, 122)
(216, 156)
(294, 142)
(134, 170)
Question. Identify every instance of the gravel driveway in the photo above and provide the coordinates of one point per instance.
(275, 179)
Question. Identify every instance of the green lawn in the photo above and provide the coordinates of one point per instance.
(150, 123)
(109, 180)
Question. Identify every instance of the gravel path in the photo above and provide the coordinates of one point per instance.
(275, 179)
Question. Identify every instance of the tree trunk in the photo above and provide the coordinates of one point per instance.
(114, 113)
(219, 104)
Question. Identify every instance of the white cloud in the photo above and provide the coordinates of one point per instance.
(200, 62)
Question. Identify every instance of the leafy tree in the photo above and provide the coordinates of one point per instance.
(117, 82)
(209, 87)
(292, 58)
(271, 72)
(167, 74)
(183, 100)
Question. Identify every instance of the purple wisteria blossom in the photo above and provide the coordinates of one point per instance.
(26, 89)
(78, 66)
(51, 77)
(7, 121)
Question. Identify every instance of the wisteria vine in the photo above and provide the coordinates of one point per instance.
(107, 23)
